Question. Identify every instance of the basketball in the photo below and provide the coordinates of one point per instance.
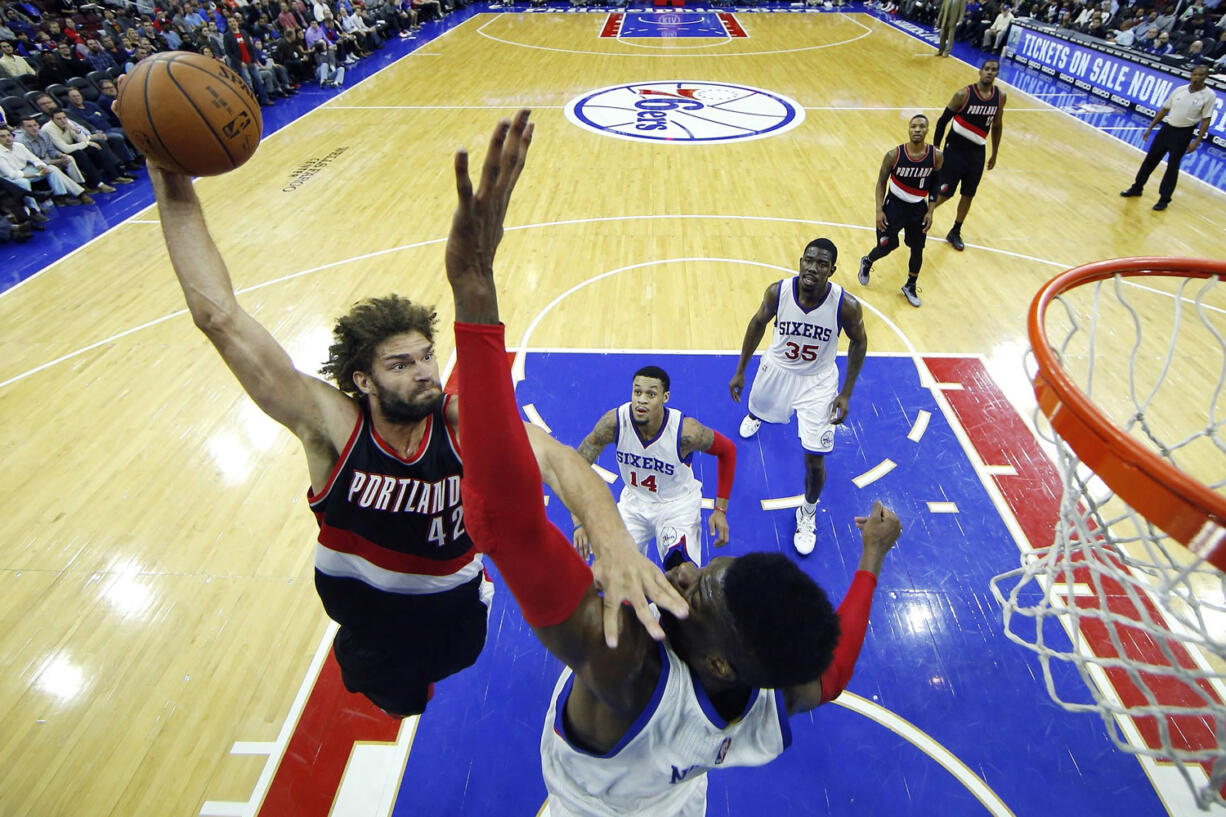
(190, 113)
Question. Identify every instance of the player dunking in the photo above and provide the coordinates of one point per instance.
(975, 112)
(798, 371)
(395, 563)
(634, 726)
(908, 174)
(655, 444)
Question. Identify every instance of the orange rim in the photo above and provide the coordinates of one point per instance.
(1185, 509)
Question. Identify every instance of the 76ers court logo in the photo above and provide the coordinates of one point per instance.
(684, 112)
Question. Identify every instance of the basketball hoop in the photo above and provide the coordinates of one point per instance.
(1135, 571)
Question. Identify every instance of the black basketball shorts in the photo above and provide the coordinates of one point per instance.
(963, 166)
(904, 215)
(395, 670)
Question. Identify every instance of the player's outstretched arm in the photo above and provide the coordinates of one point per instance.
(601, 436)
(305, 405)
(852, 319)
(502, 472)
(753, 336)
(878, 532)
(697, 437)
(623, 574)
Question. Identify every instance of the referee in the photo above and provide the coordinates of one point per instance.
(1185, 106)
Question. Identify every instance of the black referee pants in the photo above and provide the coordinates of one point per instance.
(1172, 143)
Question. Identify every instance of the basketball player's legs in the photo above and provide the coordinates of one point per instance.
(887, 239)
(770, 397)
(817, 439)
(665, 522)
(637, 519)
(915, 238)
(678, 525)
(962, 169)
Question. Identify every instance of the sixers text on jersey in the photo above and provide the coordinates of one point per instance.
(647, 463)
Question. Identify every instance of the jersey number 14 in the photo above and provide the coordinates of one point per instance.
(649, 483)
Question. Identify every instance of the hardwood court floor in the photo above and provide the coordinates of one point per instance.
(156, 602)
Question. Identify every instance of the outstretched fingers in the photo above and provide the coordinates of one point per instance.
(491, 168)
(463, 184)
(516, 152)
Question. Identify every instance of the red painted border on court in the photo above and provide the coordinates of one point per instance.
(333, 720)
(612, 25)
(731, 24)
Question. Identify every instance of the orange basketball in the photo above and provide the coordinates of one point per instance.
(190, 113)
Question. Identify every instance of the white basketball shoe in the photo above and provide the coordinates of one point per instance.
(805, 538)
(750, 426)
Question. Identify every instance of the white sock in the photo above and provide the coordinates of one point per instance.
(808, 508)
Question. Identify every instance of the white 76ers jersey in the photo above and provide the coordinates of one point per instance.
(806, 341)
(659, 767)
(653, 470)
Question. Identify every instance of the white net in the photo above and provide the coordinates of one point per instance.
(1140, 619)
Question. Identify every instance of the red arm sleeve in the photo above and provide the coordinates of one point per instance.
(504, 505)
(853, 621)
(725, 450)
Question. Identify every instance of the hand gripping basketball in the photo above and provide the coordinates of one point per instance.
(189, 113)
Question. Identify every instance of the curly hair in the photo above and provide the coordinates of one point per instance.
(365, 326)
(783, 616)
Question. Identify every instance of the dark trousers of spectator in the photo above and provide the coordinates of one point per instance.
(1171, 143)
(300, 70)
(13, 203)
(429, 10)
(97, 166)
(118, 143)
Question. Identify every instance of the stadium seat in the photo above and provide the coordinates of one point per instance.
(96, 78)
(87, 88)
(16, 107)
(59, 93)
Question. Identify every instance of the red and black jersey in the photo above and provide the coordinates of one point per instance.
(391, 529)
(912, 179)
(973, 120)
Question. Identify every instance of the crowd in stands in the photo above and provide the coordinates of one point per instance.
(1187, 34)
(60, 141)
